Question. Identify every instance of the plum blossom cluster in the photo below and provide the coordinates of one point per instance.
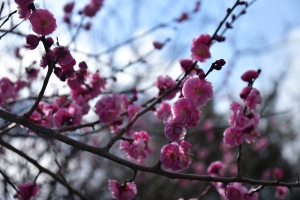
(9, 90)
(85, 86)
(231, 191)
(176, 156)
(125, 191)
(61, 56)
(185, 112)
(60, 113)
(243, 124)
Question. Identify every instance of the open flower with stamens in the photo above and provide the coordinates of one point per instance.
(42, 21)
(197, 91)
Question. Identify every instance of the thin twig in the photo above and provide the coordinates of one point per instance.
(42, 169)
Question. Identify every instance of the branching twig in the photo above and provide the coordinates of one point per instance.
(154, 170)
(42, 169)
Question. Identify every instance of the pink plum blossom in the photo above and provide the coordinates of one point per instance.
(174, 131)
(62, 55)
(185, 113)
(7, 88)
(42, 21)
(245, 92)
(68, 8)
(233, 137)
(32, 41)
(163, 111)
(215, 168)
(252, 135)
(186, 64)
(132, 110)
(46, 58)
(28, 190)
(199, 48)
(253, 100)
(109, 108)
(158, 45)
(176, 156)
(236, 109)
(235, 191)
(254, 196)
(92, 8)
(126, 191)
(260, 144)
(197, 91)
(97, 84)
(165, 83)
(169, 155)
(277, 173)
(248, 76)
(67, 116)
(24, 8)
(281, 192)
(32, 73)
(139, 148)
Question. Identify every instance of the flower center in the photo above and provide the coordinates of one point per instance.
(44, 23)
(198, 91)
(201, 50)
(184, 111)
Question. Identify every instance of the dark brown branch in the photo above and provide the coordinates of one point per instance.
(41, 94)
(154, 170)
(42, 169)
(7, 17)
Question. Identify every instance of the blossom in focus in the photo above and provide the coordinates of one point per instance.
(176, 156)
(233, 137)
(198, 91)
(185, 113)
(199, 48)
(42, 21)
(122, 192)
(28, 190)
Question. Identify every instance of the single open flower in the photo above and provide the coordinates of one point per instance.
(42, 21)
